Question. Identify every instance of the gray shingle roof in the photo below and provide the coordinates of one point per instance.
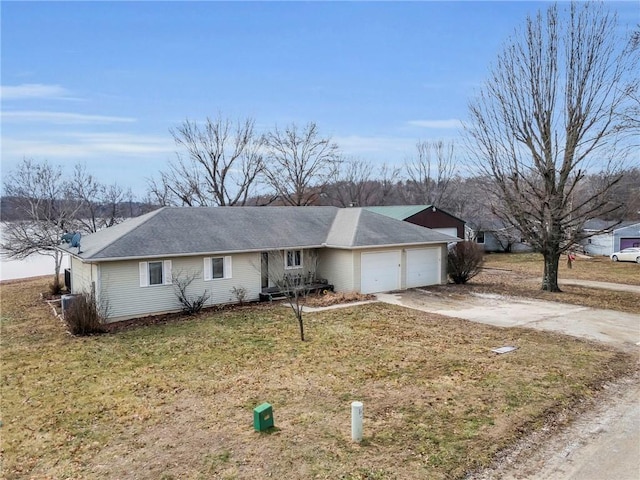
(605, 225)
(172, 231)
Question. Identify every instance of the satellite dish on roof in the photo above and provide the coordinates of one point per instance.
(66, 238)
(75, 241)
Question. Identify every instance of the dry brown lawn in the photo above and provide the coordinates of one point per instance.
(599, 269)
(521, 275)
(175, 400)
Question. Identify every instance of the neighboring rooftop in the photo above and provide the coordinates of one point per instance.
(402, 212)
(399, 212)
(606, 225)
(206, 230)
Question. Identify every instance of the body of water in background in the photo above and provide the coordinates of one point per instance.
(34, 266)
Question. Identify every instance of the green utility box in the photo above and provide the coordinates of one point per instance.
(263, 417)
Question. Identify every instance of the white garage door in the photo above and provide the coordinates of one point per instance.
(380, 271)
(423, 267)
(453, 231)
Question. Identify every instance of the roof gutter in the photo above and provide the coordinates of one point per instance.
(393, 245)
(193, 254)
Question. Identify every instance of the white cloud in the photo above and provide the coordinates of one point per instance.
(32, 90)
(64, 118)
(450, 123)
(88, 145)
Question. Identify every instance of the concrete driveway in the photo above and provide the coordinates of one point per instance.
(617, 328)
(602, 444)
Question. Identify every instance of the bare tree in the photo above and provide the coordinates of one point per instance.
(430, 173)
(295, 286)
(46, 201)
(114, 200)
(387, 185)
(100, 205)
(631, 115)
(549, 113)
(301, 164)
(353, 185)
(220, 166)
(358, 185)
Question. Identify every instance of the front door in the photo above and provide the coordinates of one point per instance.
(264, 269)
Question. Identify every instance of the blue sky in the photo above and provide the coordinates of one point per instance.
(103, 82)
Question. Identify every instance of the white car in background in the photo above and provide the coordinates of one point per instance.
(626, 255)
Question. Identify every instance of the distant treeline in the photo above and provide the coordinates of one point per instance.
(11, 209)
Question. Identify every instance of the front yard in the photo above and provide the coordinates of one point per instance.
(175, 400)
(600, 269)
(520, 274)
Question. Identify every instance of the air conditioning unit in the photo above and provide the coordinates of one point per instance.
(66, 302)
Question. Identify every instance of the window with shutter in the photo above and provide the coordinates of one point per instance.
(217, 268)
(155, 273)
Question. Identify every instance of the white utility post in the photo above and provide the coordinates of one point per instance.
(357, 414)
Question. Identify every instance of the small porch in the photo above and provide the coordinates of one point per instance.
(291, 282)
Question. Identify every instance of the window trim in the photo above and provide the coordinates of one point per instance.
(286, 259)
(227, 268)
(478, 236)
(144, 274)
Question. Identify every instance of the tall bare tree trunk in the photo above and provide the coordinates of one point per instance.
(552, 111)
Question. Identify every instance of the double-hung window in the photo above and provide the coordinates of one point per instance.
(217, 268)
(157, 272)
(293, 259)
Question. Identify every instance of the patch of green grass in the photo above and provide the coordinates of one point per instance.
(177, 399)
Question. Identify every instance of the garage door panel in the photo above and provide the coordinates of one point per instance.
(629, 242)
(423, 267)
(380, 271)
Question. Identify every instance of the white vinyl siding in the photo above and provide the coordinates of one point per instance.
(81, 276)
(337, 267)
(278, 261)
(121, 285)
(216, 268)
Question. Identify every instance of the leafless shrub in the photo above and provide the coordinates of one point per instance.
(240, 294)
(84, 316)
(191, 304)
(55, 287)
(464, 261)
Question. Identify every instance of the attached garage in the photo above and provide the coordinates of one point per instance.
(380, 271)
(423, 267)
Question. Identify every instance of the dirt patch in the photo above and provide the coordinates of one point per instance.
(326, 299)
